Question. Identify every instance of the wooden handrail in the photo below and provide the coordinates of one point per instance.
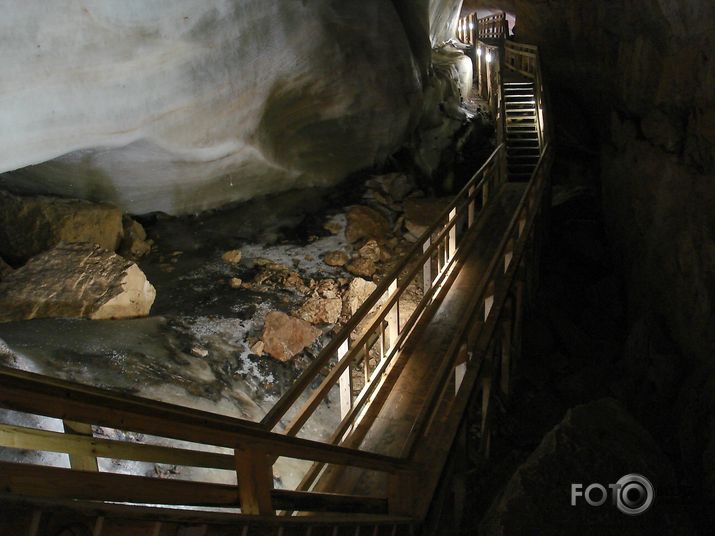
(34, 393)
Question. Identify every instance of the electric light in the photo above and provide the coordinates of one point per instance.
(489, 56)
(479, 51)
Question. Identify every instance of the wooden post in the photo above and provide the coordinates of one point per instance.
(452, 234)
(427, 268)
(470, 208)
(81, 462)
(255, 481)
(345, 387)
(393, 317)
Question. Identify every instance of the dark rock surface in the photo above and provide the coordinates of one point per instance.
(597, 442)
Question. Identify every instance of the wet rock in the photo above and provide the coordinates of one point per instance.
(258, 347)
(336, 258)
(422, 213)
(598, 442)
(232, 256)
(317, 310)
(370, 251)
(197, 351)
(5, 269)
(76, 280)
(134, 245)
(235, 282)
(400, 187)
(328, 288)
(361, 267)
(358, 291)
(284, 336)
(333, 227)
(365, 222)
(31, 225)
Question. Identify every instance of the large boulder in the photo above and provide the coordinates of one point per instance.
(598, 442)
(76, 280)
(284, 336)
(366, 223)
(31, 225)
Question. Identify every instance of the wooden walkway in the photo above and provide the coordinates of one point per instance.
(393, 412)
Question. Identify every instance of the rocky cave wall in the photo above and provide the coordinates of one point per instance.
(183, 106)
(642, 76)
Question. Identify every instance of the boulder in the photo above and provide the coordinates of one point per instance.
(134, 245)
(336, 258)
(365, 222)
(358, 291)
(31, 225)
(76, 280)
(232, 256)
(370, 251)
(317, 310)
(361, 267)
(597, 442)
(5, 269)
(422, 213)
(284, 336)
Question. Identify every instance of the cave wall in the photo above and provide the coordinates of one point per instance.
(184, 105)
(643, 75)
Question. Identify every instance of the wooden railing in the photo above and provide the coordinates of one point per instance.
(352, 366)
(524, 59)
(493, 27)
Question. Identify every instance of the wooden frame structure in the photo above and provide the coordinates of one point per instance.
(477, 364)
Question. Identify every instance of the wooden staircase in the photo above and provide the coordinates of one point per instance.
(522, 133)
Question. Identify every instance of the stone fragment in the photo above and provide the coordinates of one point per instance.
(365, 222)
(197, 351)
(284, 336)
(257, 347)
(31, 225)
(328, 288)
(333, 227)
(370, 251)
(317, 310)
(336, 258)
(361, 267)
(232, 256)
(235, 282)
(134, 245)
(400, 187)
(358, 291)
(76, 280)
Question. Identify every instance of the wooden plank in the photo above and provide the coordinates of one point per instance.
(33, 439)
(57, 483)
(25, 480)
(81, 459)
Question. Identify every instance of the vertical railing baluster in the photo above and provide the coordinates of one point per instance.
(452, 234)
(345, 387)
(427, 267)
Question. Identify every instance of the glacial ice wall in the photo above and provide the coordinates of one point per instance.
(183, 105)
